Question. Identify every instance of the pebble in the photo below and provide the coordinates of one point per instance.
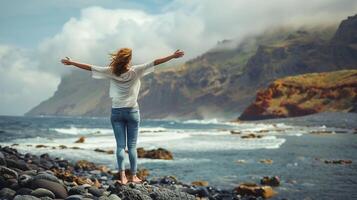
(42, 192)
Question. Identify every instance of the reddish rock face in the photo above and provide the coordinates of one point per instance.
(305, 94)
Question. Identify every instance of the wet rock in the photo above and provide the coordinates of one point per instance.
(343, 162)
(104, 151)
(168, 180)
(80, 140)
(58, 189)
(200, 183)
(159, 153)
(42, 192)
(7, 193)
(247, 189)
(8, 173)
(271, 181)
(250, 136)
(41, 146)
(25, 197)
(266, 161)
(62, 146)
(321, 132)
(235, 132)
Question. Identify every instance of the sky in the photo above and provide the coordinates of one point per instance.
(36, 34)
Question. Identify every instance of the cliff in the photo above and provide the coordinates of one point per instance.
(221, 82)
(305, 94)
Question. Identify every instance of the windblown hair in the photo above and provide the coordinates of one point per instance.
(120, 61)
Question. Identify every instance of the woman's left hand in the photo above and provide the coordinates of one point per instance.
(66, 61)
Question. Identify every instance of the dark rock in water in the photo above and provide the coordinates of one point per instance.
(25, 197)
(24, 191)
(8, 173)
(96, 191)
(159, 153)
(7, 193)
(57, 189)
(341, 162)
(74, 197)
(80, 140)
(168, 180)
(19, 164)
(271, 181)
(42, 192)
(247, 189)
(2, 159)
(77, 190)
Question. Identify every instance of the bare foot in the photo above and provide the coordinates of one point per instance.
(135, 179)
(122, 180)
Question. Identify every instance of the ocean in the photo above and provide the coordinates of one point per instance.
(207, 150)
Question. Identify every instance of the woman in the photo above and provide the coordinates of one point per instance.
(124, 90)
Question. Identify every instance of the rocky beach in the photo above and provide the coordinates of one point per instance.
(31, 177)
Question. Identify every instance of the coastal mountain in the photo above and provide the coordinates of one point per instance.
(221, 82)
(305, 94)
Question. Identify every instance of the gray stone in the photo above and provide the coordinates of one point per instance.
(47, 176)
(74, 197)
(2, 159)
(163, 193)
(7, 193)
(95, 191)
(77, 190)
(24, 191)
(58, 189)
(110, 197)
(8, 173)
(25, 197)
(42, 192)
(25, 179)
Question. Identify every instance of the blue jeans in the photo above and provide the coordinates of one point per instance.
(125, 123)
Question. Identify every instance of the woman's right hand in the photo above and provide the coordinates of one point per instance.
(66, 61)
(178, 53)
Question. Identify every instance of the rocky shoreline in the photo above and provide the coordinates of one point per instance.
(28, 176)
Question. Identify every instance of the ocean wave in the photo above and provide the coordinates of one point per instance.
(82, 131)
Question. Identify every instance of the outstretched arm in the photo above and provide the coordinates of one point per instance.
(178, 53)
(68, 61)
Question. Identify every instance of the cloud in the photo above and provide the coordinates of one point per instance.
(192, 25)
(23, 85)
